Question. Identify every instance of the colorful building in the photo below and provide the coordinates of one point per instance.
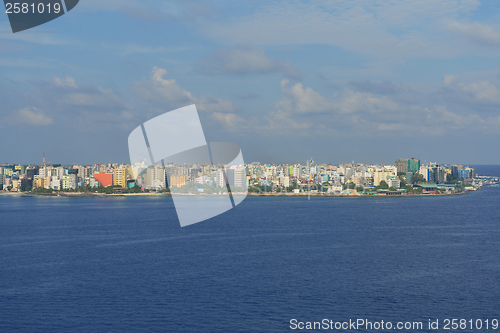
(120, 177)
(105, 179)
(177, 180)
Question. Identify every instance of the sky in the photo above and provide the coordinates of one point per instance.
(369, 81)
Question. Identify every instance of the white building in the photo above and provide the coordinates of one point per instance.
(55, 183)
(394, 182)
(221, 178)
(286, 181)
(155, 177)
(383, 175)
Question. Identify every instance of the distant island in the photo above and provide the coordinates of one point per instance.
(407, 177)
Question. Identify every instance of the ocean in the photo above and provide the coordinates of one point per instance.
(125, 264)
(487, 170)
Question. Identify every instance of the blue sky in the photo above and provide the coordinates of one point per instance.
(364, 80)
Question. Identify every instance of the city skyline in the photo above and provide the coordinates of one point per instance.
(310, 161)
(240, 176)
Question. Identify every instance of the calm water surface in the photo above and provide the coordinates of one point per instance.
(125, 265)
(487, 170)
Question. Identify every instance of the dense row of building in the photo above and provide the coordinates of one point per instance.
(433, 172)
(335, 177)
(158, 177)
(56, 177)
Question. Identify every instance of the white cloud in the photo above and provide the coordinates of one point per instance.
(74, 104)
(229, 120)
(284, 121)
(211, 103)
(247, 59)
(168, 94)
(31, 116)
(296, 99)
(482, 91)
(66, 92)
(364, 113)
(160, 90)
(441, 116)
(99, 98)
(418, 120)
(448, 79)
(352, 101)
(66, 82)
(477, 32)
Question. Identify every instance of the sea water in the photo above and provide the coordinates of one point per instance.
(125, 265)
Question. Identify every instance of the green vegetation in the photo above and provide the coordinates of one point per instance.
(292, 187)
(402, 179)
(452, 180)
(115, 189)
(417, 178)
(42, 190)
(383, 185)
(409, 189)
(349, 185)
(253, 189)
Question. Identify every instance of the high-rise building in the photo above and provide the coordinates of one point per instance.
(230, 176)
(55, 183)
(348, 172)
(65, 183)
(402, 165)
(70, 181)
(83, 171)
(31, 172)
(466, 173)
(105, 179)
(383, 175)
(177, 180)
(155, 177)
(427, 173)
(120, 177)
(413, 165)
(394, 182)
(44, 172)
(439, 175)
(26, 184)
(39, 183)
(236, 177)
(240, 178)
(221, 179)
(59, 172)
(297, 171)
(408, 177)
(286, 181)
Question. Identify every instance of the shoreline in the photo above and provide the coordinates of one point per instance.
(357, 196)
(101, 195)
